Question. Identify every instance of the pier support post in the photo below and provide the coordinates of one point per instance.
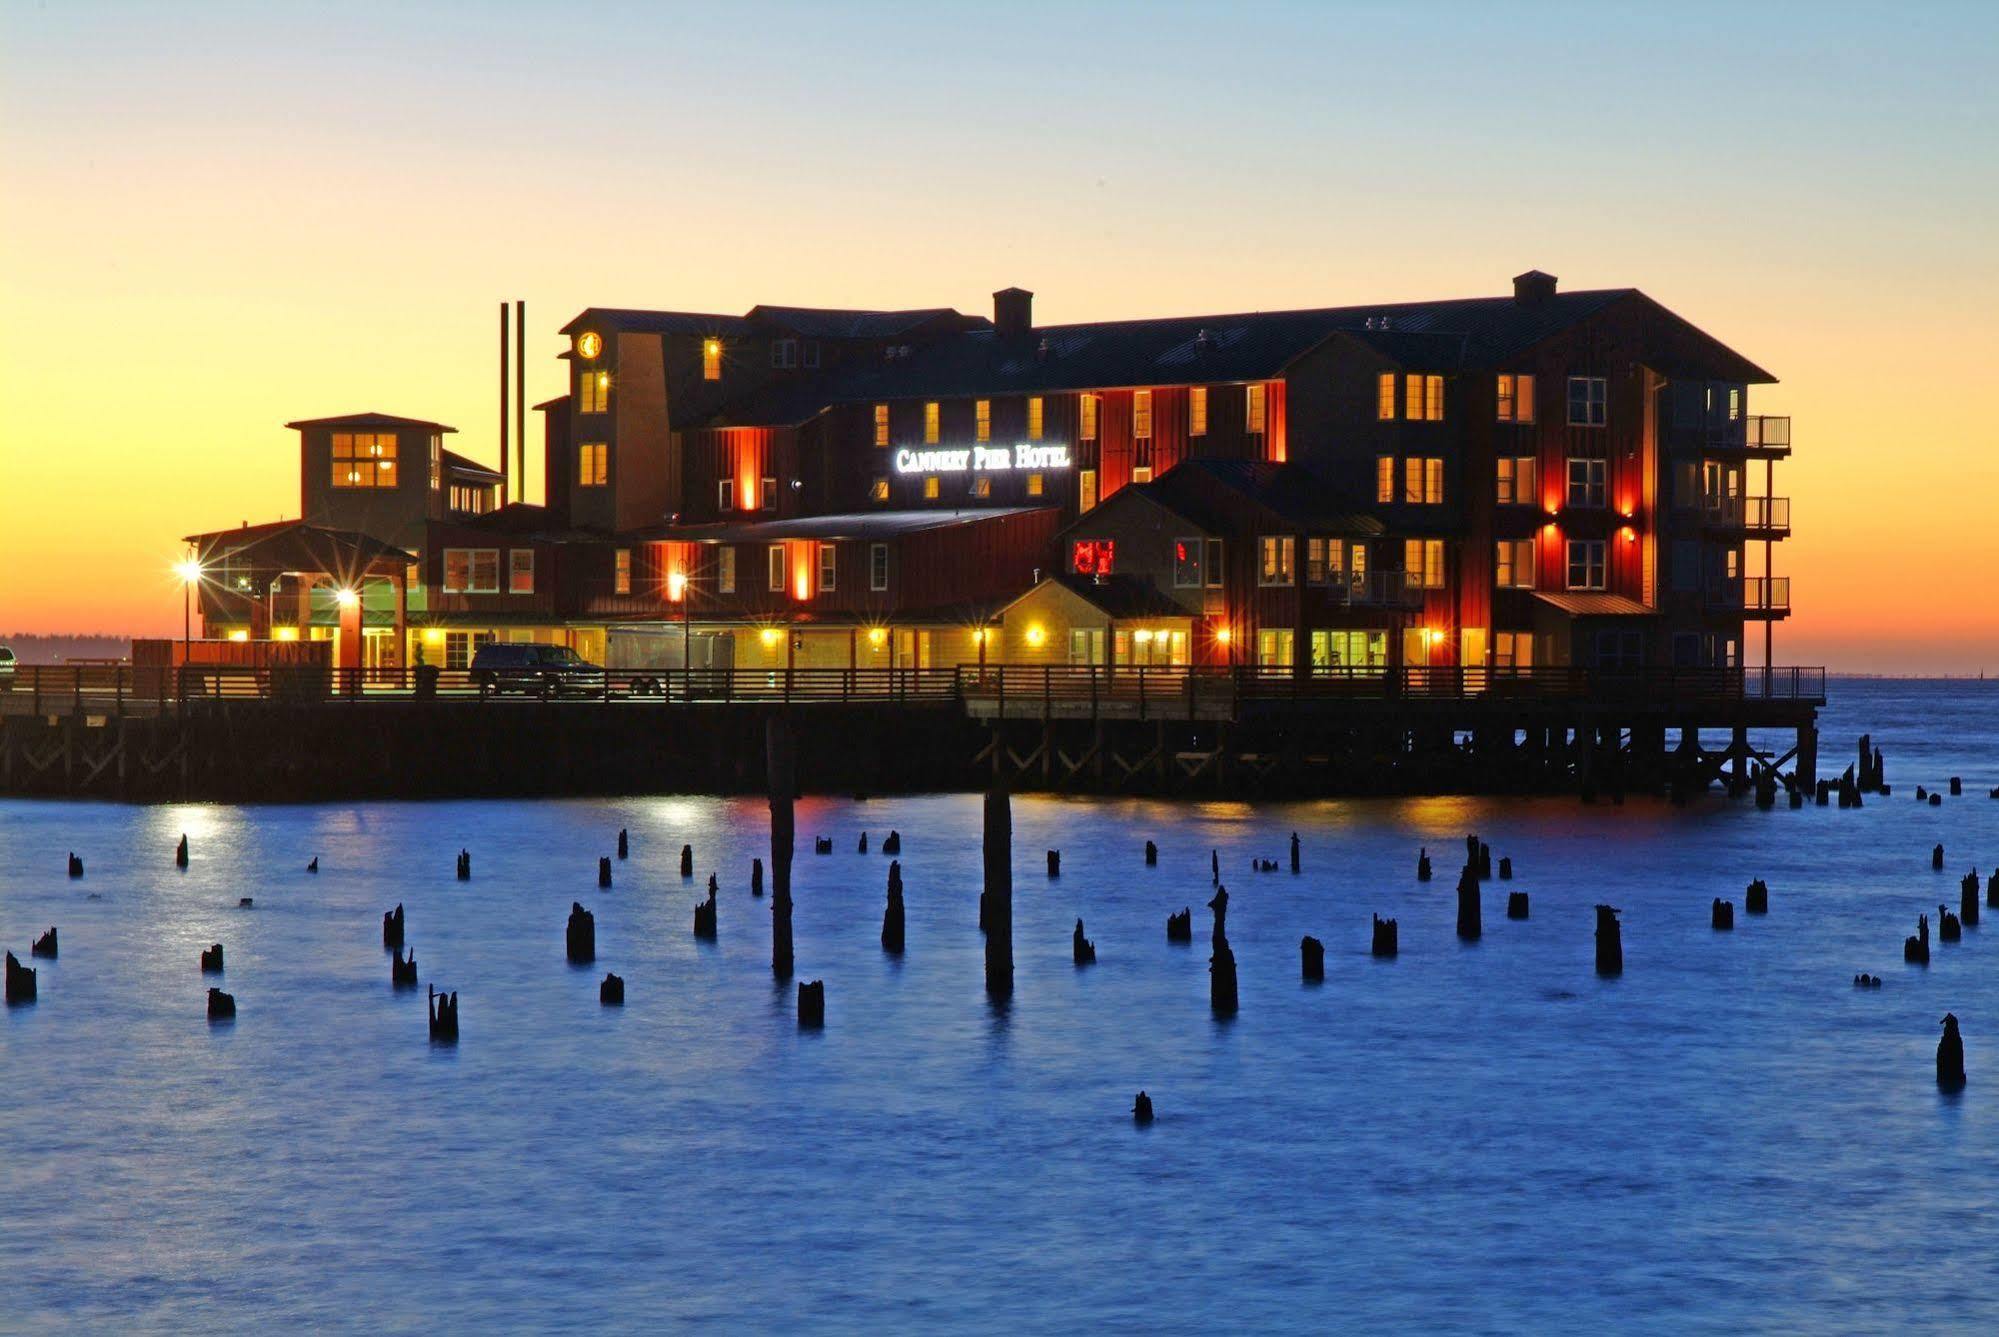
(780, 771)
(1808, 757)
(998, 895)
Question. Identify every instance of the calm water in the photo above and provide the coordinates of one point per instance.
(1488, 1137)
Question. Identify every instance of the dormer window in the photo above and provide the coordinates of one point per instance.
(1197, 409)
(1257, 408)
(931, 418)
(784, 353)
(983, 420)
(881, 424)
(711, 359)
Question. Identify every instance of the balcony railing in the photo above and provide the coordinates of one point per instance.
(1386, 589)
(1753, 596)
(1757, 433)
(1761, 514)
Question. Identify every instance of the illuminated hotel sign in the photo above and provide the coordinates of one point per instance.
(981, 459)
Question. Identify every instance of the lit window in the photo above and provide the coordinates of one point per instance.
(1274, 565)
(1384, 479)
(1513, 649)
(1336, 652)
(1516, 480)
(931, 416)
(725, 494)
(1423, 563)
(829, 567)
(784, 353)
(1142, 474)
(1086, 407)
(1423, 480)
(1514, 567)
(1141, 415)
(932, 489)
(621, 571)
(364, 459)
(878, 489)
(1586, 483)
(711, 359)
(1034, 420)
(1273, 647)
(1187, 564)
(472, 570)
(774, 567)
(767, 494)
(1258, 397)
(881, 424)
(1035, 485)
(1323, 564)
(1586, 564)
(983, 419)
(1587, 398)
(1086, 489)
(1423, 398)
(725, 570)
(593, 390)
(1384, 396)
(1197, 411)
(436, 462)
(520, 571)
(878, 567)
(593, 464)
(1516, 399)
(982, 488)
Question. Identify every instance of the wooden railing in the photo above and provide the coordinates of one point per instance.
(1010, 690)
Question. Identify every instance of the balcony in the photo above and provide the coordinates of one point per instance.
(1752, 517)
(1757, 436)
(1762, 598)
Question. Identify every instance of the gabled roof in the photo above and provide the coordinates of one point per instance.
(1116, 597)
(369, 419)
(524, 519)
(658, 322)
(1290, 493)
(294, 545)
(460, 464)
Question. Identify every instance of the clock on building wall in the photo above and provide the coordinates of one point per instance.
(589, 344)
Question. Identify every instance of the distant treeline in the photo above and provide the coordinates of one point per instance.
(34, 649)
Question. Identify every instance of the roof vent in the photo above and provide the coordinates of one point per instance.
(1203, 342)
(1380, 322)
(1043, 349)
(1533, 288)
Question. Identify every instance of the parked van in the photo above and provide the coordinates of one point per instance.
(538, 670)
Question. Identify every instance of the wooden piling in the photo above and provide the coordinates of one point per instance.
(782, 785)
(892, 915)
(1312, 958)
(1609, 941)
(1756, 899)
(812, 1003)
(611, 993)
(687, 861)
(1471, 925)
(180, 852)
(1385, 938)
(624, 844)
(1516, 905)
(1722, 915)
(580, 936)
(20, 987)
(1081, 949)
(998, 902)
(1294, 852)
(1221, 964)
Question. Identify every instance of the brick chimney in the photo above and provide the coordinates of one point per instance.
(1532, 288)
(1013, 311)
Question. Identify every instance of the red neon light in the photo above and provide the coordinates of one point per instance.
(1092, 557)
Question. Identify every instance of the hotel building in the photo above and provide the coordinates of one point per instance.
(1535, 478)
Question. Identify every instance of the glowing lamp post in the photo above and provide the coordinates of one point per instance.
(189, 571)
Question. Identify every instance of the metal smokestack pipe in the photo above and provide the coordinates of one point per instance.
(521, 398)
(503, 404)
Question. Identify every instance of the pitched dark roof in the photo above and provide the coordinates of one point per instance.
(1199, 489)
(1585, 604)
(659, 322)
(832, 323)
(850, 525)
(294, 545)
(460, 464)
(369, 419)
(1119, 597)
(524, 519)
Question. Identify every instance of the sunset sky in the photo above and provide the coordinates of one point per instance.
(215, 218)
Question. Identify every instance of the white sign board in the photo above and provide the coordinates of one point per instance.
(981, 459)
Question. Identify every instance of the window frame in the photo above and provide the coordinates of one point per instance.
(1595, 554)
(372, 472)
(593, 464)
(1283, 570)
(593, 390)
(725, 494)
(1594, 485)
(1509, 570)
(1197, 410)
(1516, 474)
(933, 421)
(767, 494)
(982, 421)
(725, 568)
(621, 571)
(1086, 490)
(711, 359)
(881, 425)
(1384, 480)
(472, 564)
(1194, 546)
(1428, 573)
(1595, 401)
(515, 566)
(777, 568)
(878, 568)
(1384, 397)
(829, 567)
(1256, 408)
(1088, 412)
(1141, 415)
(1037, 417)
(1516, 397)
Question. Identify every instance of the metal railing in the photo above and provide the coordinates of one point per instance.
(1754, 432)
(1147, 692)
(1749, 513)
(1752, 594)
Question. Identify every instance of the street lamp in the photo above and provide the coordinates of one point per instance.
(189, 571)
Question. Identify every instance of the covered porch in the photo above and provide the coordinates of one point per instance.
(292, 581)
